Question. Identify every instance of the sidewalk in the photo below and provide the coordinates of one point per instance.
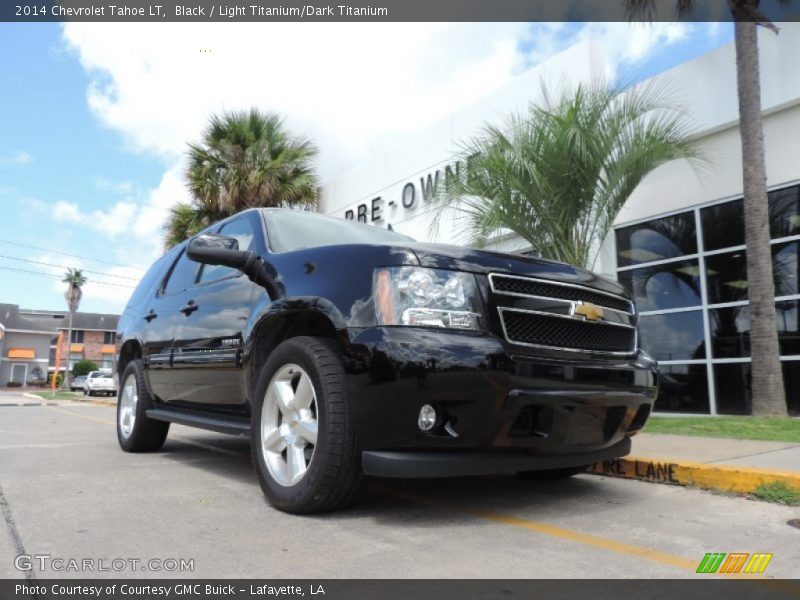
(711, 463)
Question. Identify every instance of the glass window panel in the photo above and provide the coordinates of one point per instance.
(673, 336)
(723, 225)
(784, 212)
(730, 331)
(786, 316)
(785, 268)
(669, 237)
(726, 277)
(182, 275)
(732, 382)
(791, 381)
(672, 285)
(682, 389)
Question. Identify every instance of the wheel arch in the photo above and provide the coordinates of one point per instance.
(272, 330)
(130, 351)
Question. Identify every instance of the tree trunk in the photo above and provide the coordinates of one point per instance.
(768, 396)
(66, 380)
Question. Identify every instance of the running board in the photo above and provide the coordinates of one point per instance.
(230, 424)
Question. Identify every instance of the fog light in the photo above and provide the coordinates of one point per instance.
(427, 417)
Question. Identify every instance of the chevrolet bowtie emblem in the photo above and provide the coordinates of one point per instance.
(589, 311)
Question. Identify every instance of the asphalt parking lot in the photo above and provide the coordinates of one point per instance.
(69, 492)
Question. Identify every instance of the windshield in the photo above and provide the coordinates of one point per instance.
(294, 230)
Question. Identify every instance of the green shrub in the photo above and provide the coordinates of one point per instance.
(84, 367)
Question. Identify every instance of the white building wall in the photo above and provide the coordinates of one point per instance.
(706, 85)
(421, 154)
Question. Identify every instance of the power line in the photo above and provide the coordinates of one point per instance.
(94, 195)
(105, 262)
(51, 276)
(47, 264)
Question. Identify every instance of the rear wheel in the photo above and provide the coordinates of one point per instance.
(137, 432)
(553, 473)
(303, 445)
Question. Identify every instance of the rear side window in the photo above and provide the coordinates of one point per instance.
(148, 284)
(242, 231)
(182, 276)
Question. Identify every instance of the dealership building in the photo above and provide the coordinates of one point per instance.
(678, 244)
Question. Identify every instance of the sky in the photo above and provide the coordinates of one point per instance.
(95, 118)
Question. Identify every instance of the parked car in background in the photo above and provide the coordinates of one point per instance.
(346, 350)
(100, 382)
(76, 384)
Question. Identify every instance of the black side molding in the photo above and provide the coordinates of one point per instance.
(410, 464)
(230, 424)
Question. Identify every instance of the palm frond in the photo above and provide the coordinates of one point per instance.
(558, 174)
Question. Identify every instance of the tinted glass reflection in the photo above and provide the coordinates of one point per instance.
(791, 381)
(785, 268)
(732, 382)
(786, 316)
(784, 212)
(723, 225)
(683, 389)
(673, 336)
(726, 277)
(656, 240)
(730, 331)
(673, 285)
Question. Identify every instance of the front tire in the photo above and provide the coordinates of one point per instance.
(136, 432)
(303, 445)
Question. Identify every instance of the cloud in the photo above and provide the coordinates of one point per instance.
(111, 222)
(347, 85)
(18, 157)
(118, 187)
(351, 87)
(107, 289)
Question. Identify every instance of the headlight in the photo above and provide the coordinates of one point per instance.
(426, 298)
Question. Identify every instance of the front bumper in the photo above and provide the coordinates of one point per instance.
(102, 388)
(502, 408)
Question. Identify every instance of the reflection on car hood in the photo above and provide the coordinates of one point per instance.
(459, 258)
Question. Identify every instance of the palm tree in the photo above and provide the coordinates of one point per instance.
(76, 279)
(245, 160)
(558, 174)
(768, 395)
(183, 222)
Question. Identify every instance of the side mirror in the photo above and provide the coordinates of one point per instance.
(215, 249)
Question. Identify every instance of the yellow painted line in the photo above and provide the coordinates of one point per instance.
(725, 478)
(87, 417)
(587, 539)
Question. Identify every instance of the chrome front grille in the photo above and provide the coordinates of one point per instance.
(563, 316)
(524, 286)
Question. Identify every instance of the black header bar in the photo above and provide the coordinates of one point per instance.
(154, 11)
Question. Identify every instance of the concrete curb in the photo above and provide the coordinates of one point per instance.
(723, 478)
(90, 400)
(85, 399)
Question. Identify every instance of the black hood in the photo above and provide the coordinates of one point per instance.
(458, 258)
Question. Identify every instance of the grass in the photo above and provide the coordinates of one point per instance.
(778, 492)
(774, 429)
(60, 395)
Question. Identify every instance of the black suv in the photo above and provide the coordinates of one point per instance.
(345, 350)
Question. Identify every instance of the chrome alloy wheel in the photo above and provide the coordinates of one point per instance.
(289, 424)
(127, 406)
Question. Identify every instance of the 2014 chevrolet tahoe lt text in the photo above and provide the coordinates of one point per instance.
(344, 350)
